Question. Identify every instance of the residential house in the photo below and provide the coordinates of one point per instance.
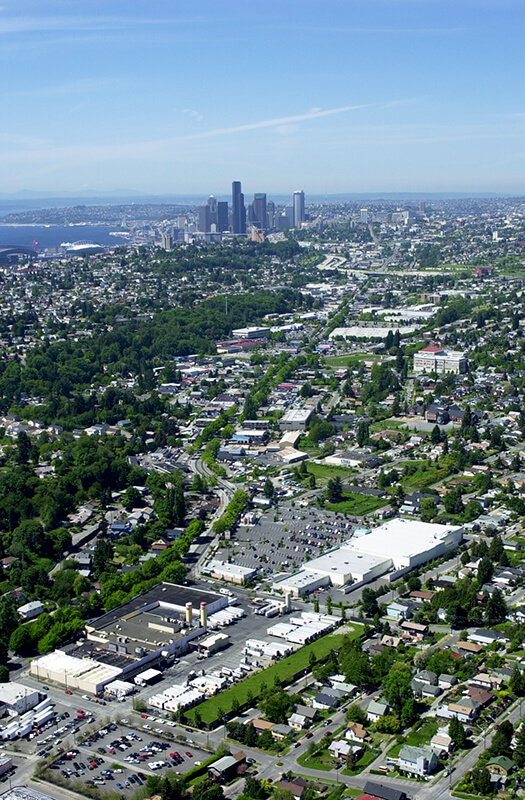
(447, 681)
(414, 629)
(261, 725)
(376, 710)
(500, 767)
(441, 743)
(481, 696)
(399, 610)
(377, 791)
(302, 717)
(227, 768)
(325, 700)
(297, 787)
(486, 637)
(340, 749)
(420, 761)
(485, 681)
(465, 709)
(356, 732)
(280, 732)
(467, 648)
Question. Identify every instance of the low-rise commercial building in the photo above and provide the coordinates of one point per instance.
(15, 698)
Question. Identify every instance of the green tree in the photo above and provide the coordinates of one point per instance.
(501, 741)
(21, 640)
(435, 436)
(481, 780)
(456, 731)
(485, 571)
(396, 686)
(516, 682)
(409, 713)
(334, 490)
(356, 714)
(207, 790)
(23, 447)
(519, 750)
(250, 408)
(362, 433)
(496, 610)
(496, 548)
(268, 488)
(102, 556)
(369, 603)
(427, 509)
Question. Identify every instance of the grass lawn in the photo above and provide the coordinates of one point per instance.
(329, 471)
(388, 425)
(350, 360)
(285, 669)
(366, 759)
(357, 504)
(423, 732)
(423, 477)
(353, 792)
(322, 761)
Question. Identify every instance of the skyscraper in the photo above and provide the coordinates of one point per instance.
(259, 211)
(238, 209)
(204, 219)
(298, 208)
(222, 216)
(212, 203)
(270, 210)
(364, 216)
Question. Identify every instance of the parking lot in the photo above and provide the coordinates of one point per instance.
(286, 544)
(64, 726)
(121, 756)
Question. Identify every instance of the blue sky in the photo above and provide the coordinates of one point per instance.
(184, 96)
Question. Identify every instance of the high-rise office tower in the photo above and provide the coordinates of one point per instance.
(204, 219)
(212, 204)
(298, 208)
(364, 216)
(270, 210)
(238, 209)
(422, 207)
(259, 211)
(222, 216)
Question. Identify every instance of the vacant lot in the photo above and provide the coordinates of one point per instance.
(357, 504)
(329, 471)
(423, 476)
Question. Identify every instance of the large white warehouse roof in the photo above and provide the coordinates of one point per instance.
(407, 542)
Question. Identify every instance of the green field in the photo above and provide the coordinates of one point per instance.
(285, 669)
(351, 360)
(329, 471)
(357, 504)
(388, 425)
(423, 477)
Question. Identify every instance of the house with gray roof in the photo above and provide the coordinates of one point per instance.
(420, 761)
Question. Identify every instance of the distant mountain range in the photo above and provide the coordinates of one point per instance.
(132, 196)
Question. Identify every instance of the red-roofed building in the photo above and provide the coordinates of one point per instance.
(437, 359)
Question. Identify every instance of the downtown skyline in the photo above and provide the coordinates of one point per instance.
(334, 97)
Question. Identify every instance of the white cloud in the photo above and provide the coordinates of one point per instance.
(195, 114)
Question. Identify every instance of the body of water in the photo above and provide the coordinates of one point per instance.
(54, 235)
